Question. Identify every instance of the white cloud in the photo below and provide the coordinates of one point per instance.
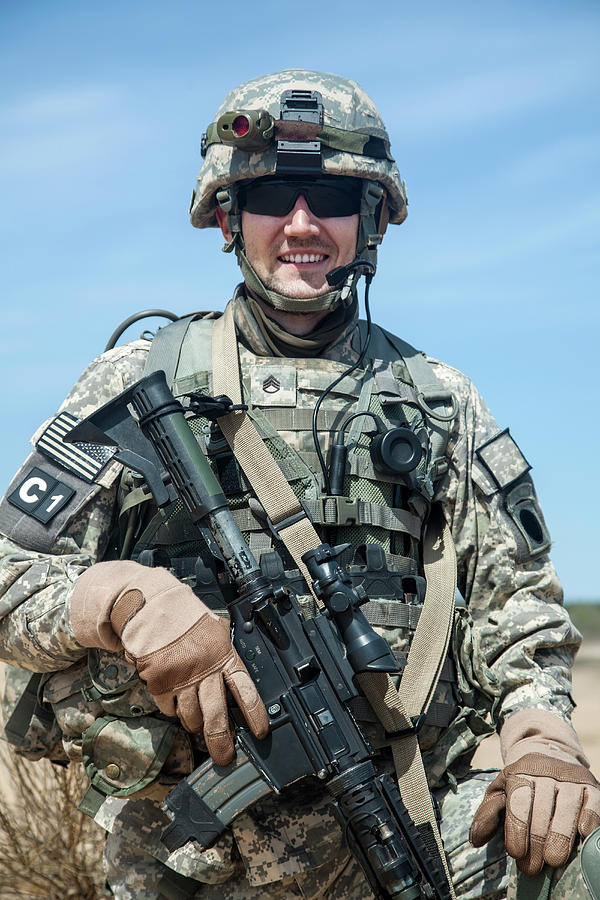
(57, 130)
(487, 95)
(555, 160)
(479, 249)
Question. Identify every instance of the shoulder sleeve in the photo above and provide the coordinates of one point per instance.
(504, 573)
(55, 520)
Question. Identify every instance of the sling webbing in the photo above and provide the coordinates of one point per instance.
(276, 496)
(398, 710)
(395, 710)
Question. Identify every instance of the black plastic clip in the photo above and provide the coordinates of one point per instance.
(259, 512)
(417, 724)
(212, 408)
(275, 528)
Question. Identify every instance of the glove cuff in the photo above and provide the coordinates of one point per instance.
(540, 731)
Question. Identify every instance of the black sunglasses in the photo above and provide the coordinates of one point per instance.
(329, 195)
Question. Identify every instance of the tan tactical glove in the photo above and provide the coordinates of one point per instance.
(179, 647)
(545, 792)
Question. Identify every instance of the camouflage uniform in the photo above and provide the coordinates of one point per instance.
(517, 650)
(511, 649)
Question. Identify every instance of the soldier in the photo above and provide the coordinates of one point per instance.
(299, 177)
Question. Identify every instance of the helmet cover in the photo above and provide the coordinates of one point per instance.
(346, 109)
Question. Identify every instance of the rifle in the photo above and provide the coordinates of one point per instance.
(304, 668)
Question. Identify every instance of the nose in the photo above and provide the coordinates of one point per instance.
(301, 221)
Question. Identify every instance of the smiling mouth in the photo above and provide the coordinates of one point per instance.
(301, 258)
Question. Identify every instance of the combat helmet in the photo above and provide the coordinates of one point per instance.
(298, 122)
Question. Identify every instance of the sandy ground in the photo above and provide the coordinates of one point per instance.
(586, 716)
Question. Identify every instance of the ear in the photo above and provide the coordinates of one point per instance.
(223, 223)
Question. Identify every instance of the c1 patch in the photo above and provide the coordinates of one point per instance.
(40, 495)
(83, 459)
(503, 459)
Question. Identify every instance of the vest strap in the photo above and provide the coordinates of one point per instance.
(171, 352)
(27, 706)
(438, 404)
(165, 348)
(342, 511)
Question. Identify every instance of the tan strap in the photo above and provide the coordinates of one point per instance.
(399, 710)
(396, 709)
(276, 496)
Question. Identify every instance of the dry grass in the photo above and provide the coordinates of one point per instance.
(47, 848)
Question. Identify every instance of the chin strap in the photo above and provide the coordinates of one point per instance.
(324, 302)
(368, 240)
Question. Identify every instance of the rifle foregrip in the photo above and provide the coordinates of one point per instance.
(203, 804)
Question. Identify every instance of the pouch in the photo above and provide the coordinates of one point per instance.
(123, 756)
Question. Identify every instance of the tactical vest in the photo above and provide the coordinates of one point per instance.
(380, 516)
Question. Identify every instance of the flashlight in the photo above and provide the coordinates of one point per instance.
(248, 129)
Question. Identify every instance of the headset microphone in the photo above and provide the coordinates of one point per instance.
(340, 273)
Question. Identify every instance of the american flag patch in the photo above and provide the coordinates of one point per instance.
(85, 460)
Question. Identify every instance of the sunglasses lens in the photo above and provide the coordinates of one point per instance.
(326, 197)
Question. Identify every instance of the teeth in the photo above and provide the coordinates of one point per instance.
(303, 257)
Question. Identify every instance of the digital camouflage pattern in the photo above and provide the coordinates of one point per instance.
(346, 106)
(514, 654)
(477, 873)
(483, 873)
(503, 459)
(36, 588)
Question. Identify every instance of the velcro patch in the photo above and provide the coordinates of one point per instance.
(273, 385)
(40, 495)
(83, 459)
(503, 459)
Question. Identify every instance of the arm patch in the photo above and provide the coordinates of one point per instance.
(83, 459)
(523, 508)
(40, 494)
(30, 512)
(501, 467)
(503, 459)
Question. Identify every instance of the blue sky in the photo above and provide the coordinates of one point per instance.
(493, 115)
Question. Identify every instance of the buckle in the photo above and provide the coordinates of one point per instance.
(275, 527)
(346, 510)
(417, 724)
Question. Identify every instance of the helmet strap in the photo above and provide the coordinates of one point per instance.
(369, 236)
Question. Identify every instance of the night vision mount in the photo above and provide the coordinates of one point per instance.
(295, 133)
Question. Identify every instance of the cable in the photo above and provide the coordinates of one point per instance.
(147, 313)
(337, 274)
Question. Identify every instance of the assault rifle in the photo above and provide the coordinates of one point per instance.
(304, 668)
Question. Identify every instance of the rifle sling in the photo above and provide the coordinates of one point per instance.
(396, 709)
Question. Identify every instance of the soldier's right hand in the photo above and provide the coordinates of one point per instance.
(179, 647)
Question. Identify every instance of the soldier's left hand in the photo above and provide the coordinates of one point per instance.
(546, 793)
